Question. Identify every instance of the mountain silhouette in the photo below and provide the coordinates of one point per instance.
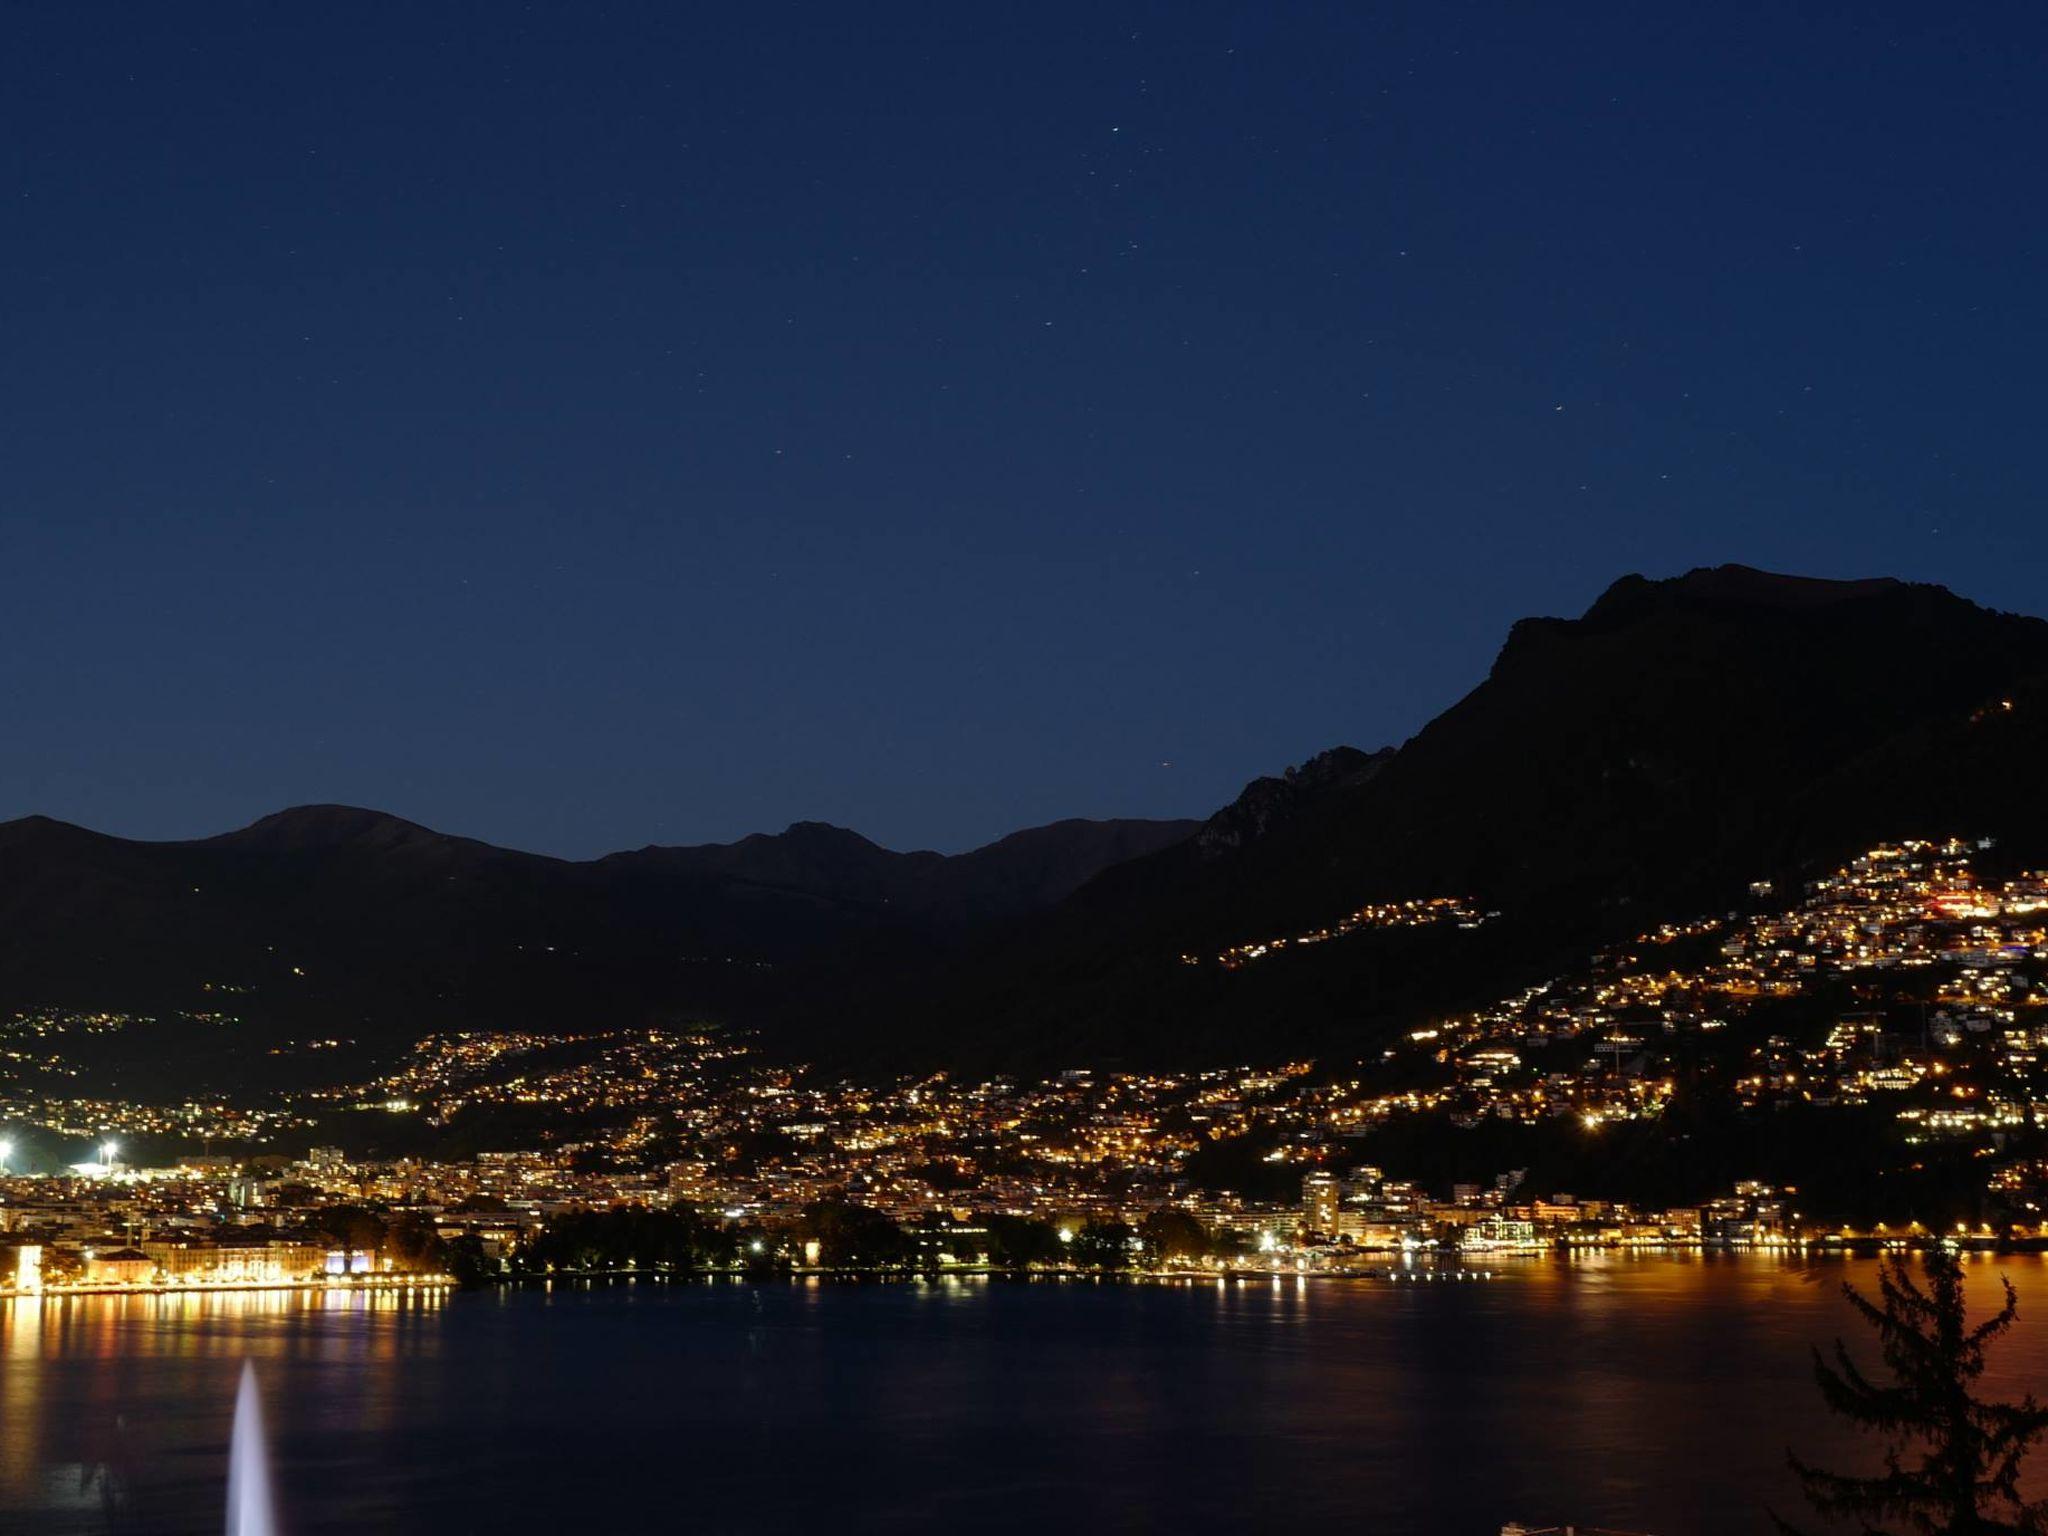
(1644, 761)
(337, 915)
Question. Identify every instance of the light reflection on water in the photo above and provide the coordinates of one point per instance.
(1655, 1392)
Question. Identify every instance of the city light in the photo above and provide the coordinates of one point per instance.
(756, 1139)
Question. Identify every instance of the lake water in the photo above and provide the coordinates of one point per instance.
(1650, 1393)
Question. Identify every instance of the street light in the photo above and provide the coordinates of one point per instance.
(107, 1151)
(6, 1151)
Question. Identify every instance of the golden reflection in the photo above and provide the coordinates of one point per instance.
(1613, 1350)
(21, 1365)
(94, 1340)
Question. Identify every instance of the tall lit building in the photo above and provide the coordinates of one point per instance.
(1320, 1195)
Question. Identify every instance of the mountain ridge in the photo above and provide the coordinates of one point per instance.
(317, 822)
(339, 915)
(1648, 759)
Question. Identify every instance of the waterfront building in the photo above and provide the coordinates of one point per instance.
(1321, 1198)
(118, 1266)
(21, 1267)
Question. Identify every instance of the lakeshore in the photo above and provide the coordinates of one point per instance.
(1415, 1267)
(62, 1289)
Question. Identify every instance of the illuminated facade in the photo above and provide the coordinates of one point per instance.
(1321, 1196)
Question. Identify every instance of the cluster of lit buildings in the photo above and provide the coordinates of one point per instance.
(1899, 980)
(198, 1225)
(111, 1227)
(1902, 981)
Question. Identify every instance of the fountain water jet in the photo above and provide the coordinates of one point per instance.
(250, 1512)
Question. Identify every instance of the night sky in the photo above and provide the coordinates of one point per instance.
(585, 425)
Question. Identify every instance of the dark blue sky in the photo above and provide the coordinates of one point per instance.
(583, 425)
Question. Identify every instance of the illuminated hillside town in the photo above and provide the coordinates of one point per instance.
(1902, 993)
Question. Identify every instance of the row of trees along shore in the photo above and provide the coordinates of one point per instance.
(843, 1235)
(827, 1234)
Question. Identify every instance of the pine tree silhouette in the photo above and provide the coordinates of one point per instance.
(1951, 1460)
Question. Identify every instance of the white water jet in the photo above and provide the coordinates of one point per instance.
(249, 1503)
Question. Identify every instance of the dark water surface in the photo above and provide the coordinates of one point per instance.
(1656, 1394)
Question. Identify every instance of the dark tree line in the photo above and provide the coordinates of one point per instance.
(631, 1237)
(833, 1233)
(843, 1234)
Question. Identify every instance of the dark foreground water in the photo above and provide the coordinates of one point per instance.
(1656, 1394)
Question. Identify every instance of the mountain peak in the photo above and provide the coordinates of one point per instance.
(38, 828)
(823, 834)
(331, 826)
(1716, 596)
(1730, 587)
(35, 821)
